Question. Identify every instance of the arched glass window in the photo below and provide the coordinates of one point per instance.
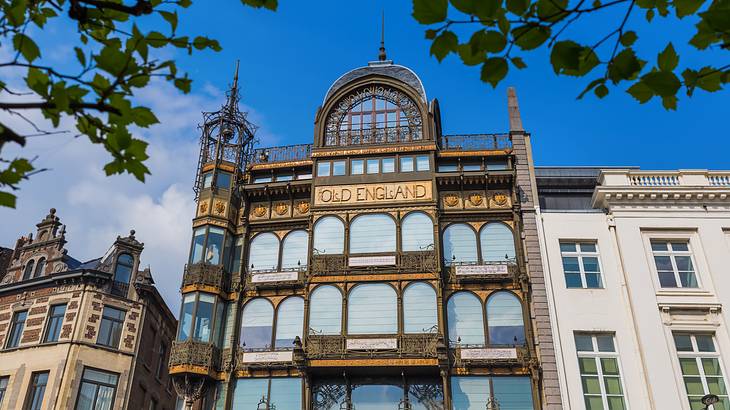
(264, 252)
(123, 270)
(504, 317)
(28, 273)
(295, 250)
(198, 317)
(466, 320)
(289, 322)
(372, 233)
(372, 309)
(417, 232)
(325, 310)
(257, 324)
(329, 236)
(419, 309)
(40, 267)
(460, 244)
(498, 242)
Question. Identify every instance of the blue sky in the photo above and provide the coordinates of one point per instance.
(289, 58)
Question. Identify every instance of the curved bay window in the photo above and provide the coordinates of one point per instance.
(199, 316)
(419, 309)
(208, 246)
(505, 319)
(329, 236)
(372, 309)
(325, 310)
(289, 322)
(374, 114)
(460, 244)
(372, 233)
(497, 243)
(257, 325)
(416, 232)
(263, 254)
(465, 319)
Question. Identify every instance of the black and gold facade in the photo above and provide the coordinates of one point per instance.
(384, 266)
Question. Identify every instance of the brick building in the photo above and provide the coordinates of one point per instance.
(92, 335)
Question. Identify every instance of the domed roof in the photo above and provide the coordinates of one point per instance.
(384, 68)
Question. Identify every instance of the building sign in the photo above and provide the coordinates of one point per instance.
(496, 269)
(489, 354)
(267, 357)
(373, 193)
(357, 261)
(372, 344)
(274, 277)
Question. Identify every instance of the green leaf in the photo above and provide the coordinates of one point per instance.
(494, 70)
(669, 102)
(464, 6)
(687, 7)
(601, 91)
(171, 18)
(445, 43)
(662, 83)
(590, 86)
(717, 16)
(7, 199)
(267, 4)
(641, 92)
(201, 43)
(38, 81)
(431, 34)
(649, 15)
(518, 62)
(430, 11)
(111, 60)
(570, 58)
(628, 38)
(143, 116)
(552, 10)
(26, 46)
(156, 39)
(704, 37)
(518, 7)
(487, 9)
(80, 56)
(183, 84)
(493, 41)
(709, 79)
(625, 66)
(469, 56)
(530, 37)
(668, 59)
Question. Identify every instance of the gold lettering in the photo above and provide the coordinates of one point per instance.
(373, 193)
(326, 195)
(420, 193)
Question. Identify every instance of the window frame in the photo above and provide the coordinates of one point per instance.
(579, 253)
(274, 311)
(365, 216)
(671, 253)
(33, 385)
(97, 384)
(275, 325)
(39, 267)
(698, 356)
(343, 245)
(13, 326)
(4, 382)
(114, 321)
(50, 321)
(29, 269)
(194, 315)
(597, 355)
(227, 245)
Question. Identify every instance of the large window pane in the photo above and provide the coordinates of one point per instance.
(16, 329)
(110, 329)
(186, 321)
(55, 321)
(204, 317)
(498, 243)
(514, 393)
(295, 250)
(264, 252)
(97, 390)
(376, 396)
(289, 322)
(214, 247)
(286, 393)
(470, 393)
(248, 393)
(372, 233)
(419, 309)
(460, 244)
(372, 309)
(256, 325)
(325, 310)
(504, 316)
(329, 236)
(123, 269)
(465, 319)
(417, 232)
(196, 254)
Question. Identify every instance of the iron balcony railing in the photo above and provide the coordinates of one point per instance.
(288, 153)
(412, 261)
(417, 345)
(475, 142)
(120, 288)
(207, 275)
(197, 354)
(370, 136)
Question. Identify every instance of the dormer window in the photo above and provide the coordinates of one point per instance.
(28, 273)
(40, 267)
(123, 269)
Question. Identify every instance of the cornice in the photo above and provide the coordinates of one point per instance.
(608, 196)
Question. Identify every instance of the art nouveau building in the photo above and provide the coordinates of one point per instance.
(384, 266)
(637, 280)
(86, 336)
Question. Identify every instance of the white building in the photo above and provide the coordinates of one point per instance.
(637, 267)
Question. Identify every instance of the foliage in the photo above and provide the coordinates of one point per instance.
(115, 59)
(503, 28)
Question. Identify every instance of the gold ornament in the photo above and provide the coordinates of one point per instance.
(303, 207)
(220, 207)
(259, 211)
(451, 200)
(203, 208)
(500, 199)
(281, 208)
(476, 199)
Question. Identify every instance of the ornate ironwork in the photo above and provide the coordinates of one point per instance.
(328, 264)
(190, 387)
(410, 262)
(327, 396)
(336, 135)
(120, 288)
(420, 261)
(299, 152)
(207, 275)
(335, 347)
(194, 353)
(428, 396)
(474, 142)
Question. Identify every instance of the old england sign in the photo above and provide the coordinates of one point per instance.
(373, 193)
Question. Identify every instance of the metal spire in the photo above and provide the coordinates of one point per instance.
(381, 54)
(233, 93)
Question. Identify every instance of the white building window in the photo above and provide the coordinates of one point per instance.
(701, 369)
(581, 265)
(673, 260)
(600, 372)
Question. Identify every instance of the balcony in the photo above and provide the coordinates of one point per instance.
(423, 345)
(203, 274)
(375, 136)
(120, 289)
(287, 153)
(464, 355)
(496, 272)
(404, 262)
(203, 357)
(276, 279)
(476, 142)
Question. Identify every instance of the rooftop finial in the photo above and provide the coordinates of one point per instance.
(235, 76)
(381, 54)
